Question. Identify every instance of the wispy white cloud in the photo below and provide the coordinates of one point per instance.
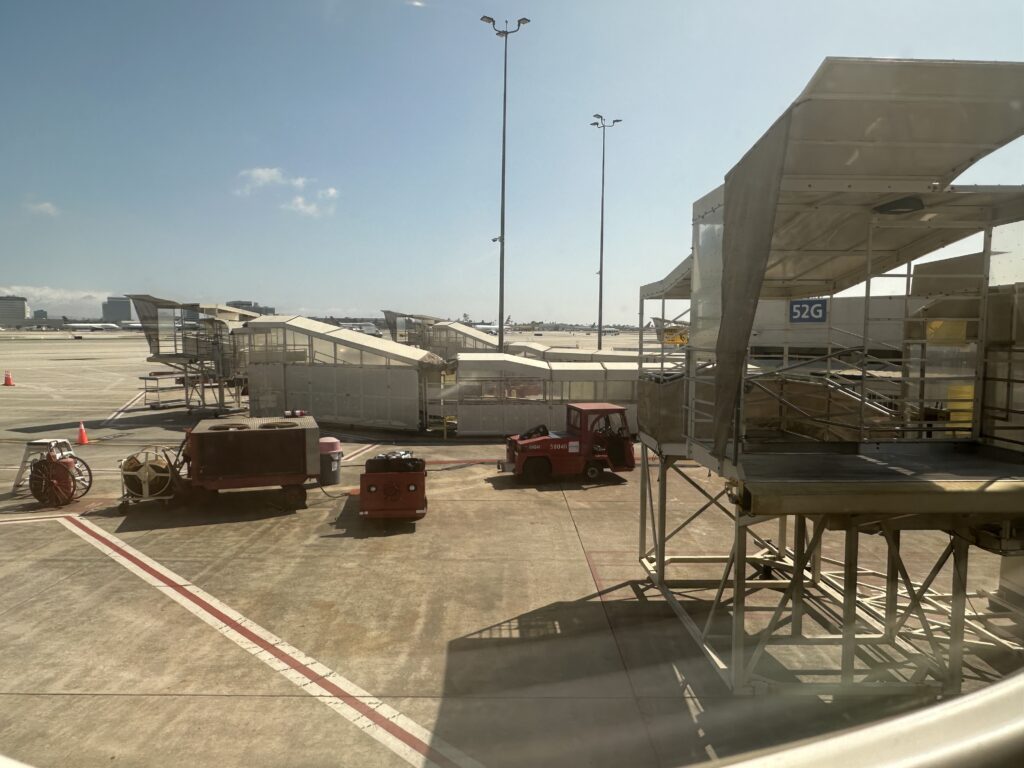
(43, 208)
(257, 178)
(60, 301)
(312, 205)
(303, 207)
(415, 3)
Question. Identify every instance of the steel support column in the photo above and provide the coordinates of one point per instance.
(799, 544)
(956, 617)
(892, 584)
(850, 601)
(739, 589)
(659, 563)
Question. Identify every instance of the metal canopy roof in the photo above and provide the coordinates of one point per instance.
(222, 311)
(469, 332)
(354, 339)
(803, 204)
(156, 302)
(558, 370)
(216, 311)
(912, 123)
(531, 345)
(819, 243)
(866, 132)
(675, 285)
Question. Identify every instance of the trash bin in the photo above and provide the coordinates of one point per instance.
(330, 461)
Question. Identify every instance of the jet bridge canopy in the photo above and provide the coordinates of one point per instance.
(851, 181)
(675, 285)
(851, 185)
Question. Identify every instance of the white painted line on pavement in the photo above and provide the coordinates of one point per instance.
(120, 411)
(358, 452)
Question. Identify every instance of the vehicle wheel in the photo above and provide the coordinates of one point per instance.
(83, 477)
(593, 472)
(537, 470)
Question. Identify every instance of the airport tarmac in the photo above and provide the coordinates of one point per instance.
(509, 627)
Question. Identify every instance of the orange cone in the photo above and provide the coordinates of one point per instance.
(83, 439)
(8, 379)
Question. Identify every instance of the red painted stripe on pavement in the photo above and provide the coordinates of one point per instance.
(355, 703)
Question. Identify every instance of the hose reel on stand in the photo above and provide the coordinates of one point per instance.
(56, 476)
(51, 481)
(150, 474)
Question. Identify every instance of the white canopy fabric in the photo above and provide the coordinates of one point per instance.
(354, 339)
(537, 351)
(799, 206)
(223, 312)
(469, 331)
(471, 363)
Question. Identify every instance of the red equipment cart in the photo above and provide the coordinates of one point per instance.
(596, 437)
(393, 485)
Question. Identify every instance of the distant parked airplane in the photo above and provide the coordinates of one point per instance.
(92, 326)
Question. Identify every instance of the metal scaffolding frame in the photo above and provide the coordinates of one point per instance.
(196, 342)
(910, 635)
(909, 631)
(868, 438)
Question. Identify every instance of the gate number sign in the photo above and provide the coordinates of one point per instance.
(808, 311)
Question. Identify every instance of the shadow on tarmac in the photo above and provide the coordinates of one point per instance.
(219, 509)
(350, 525)
(553, 687)
(508, 481)
(176, 421)
(29, 503)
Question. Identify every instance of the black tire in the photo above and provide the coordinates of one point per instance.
(537, 470)
(593, 471)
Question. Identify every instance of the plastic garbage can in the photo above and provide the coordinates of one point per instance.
(330, 461)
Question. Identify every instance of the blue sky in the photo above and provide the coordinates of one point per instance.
(128, 128)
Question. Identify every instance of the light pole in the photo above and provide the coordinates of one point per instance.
(600, 270)
(503, 33)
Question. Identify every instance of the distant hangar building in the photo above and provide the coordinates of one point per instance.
(13, 310)
(252, 306)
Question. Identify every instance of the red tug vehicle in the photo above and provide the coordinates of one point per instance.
(596, 437)
(394, 486)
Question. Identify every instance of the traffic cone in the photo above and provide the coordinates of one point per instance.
(83, 439)
(8, 379)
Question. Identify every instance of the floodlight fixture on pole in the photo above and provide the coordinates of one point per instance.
(503, 33)
(603, 125)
